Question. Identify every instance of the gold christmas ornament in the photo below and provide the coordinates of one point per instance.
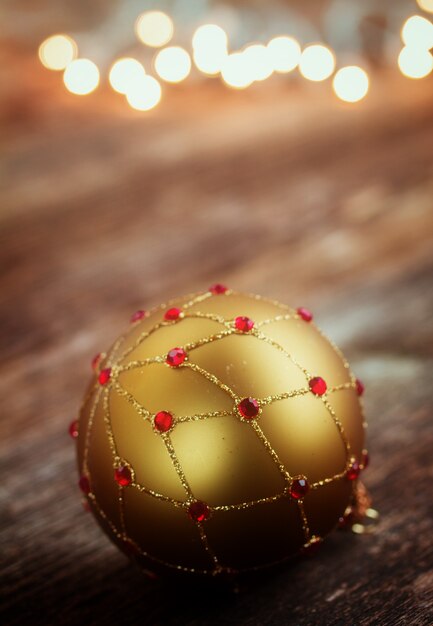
(220, 433)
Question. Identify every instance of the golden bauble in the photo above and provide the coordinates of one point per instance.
(230, 453)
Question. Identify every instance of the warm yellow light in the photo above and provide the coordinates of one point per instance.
(351, 83)
(173, 64)
(154, 28)
(57, 52)
(209, 62)
(284, 53)
(417, 31)
(317, 62)
(124, 73)
(234, 71)
(426, 5)
(257, 62)
(210, 48)
(145, 94)
(81, 77)
(415, 62)
(209, 36)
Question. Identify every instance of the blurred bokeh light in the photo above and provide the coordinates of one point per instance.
(351, 83)
(284, 53)
(210, 48)
(417, 31)
(144, 94)
(173, 64)
(234, 72)
(415, 62)
(81, 77)
(57, 51)
(257, 62)
(317, 62)
(124, 73)
(426, 5)
(154, 28)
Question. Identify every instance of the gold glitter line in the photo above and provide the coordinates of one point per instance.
(176, 464)
(113, 527)
(112, 354)
(87, 397)
(202, 416)
(159, 496)
(212, 378)
(207, 316)
(303, 391)
(200, 297)
(342, 386)
(254, 296)
(271, 451)
(326, 481)
(144, 335)
(276, 345)
(85, 468)
(346, 365)
(125, 394)
(189, 347)
(247, 505)
(137, 364)
(277, 318)
(207, 547)
(108, 427)
(339, 425)
(122, 510)
(92, 390)
(305, 526)
(283, 396)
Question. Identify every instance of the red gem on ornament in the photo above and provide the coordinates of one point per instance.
(304, 314)
(73, 429)
(104, 376)
(84, 484)
(317, 385)
(353, 470)
(359, 387)
(244, 324)
(248, 408)
(365, 459)
(172, 314)
(96, 360)
(299, 487)
(217, 289)
(175, 357)
(138, 315)
(163, 421)
(123, 475)
(198, 511)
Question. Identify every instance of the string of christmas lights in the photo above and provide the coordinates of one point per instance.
(209, 52)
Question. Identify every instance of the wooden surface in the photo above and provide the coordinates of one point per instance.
(280, 191)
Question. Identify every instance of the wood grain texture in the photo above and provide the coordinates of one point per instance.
(279, 191)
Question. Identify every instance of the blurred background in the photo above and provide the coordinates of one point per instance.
(150, 149)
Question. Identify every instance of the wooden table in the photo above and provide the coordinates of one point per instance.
(279, 190)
